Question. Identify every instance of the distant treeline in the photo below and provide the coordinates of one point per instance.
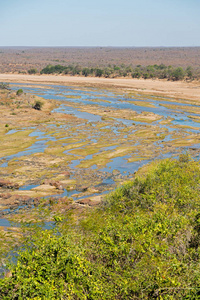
(151, 71)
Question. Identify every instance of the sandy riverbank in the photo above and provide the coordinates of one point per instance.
(180, 89)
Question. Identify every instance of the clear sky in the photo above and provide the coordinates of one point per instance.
(99, 23)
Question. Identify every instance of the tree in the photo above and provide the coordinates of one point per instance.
(32, 71)
(146, 75)
(189, 72)
(178, 74)
(136, 73)
(85, 72)
(98, 73)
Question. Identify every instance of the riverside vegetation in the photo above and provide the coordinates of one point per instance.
(23, 59)
(143, 242)
(152, 71)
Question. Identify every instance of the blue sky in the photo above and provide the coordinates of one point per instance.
(99, 23)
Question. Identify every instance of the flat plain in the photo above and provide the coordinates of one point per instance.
(20, 59)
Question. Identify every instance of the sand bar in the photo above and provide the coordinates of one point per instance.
(176, 89)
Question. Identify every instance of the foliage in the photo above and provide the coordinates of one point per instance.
(178, 74)
(32, 71)
(151, 71)
(4, 86)
(189, 72)
(98, 72)
(38, 105)
(85, 72)
(19, 92)
(137, 73)
(52, 69)
(142, 243)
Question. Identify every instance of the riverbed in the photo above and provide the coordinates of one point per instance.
(110, 136)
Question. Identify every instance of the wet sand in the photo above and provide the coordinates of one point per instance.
(179, 89)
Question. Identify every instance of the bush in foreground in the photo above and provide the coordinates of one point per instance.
(142, 243)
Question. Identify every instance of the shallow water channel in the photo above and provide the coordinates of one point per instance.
(114, 135)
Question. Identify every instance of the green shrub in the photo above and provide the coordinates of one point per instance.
(189, 72)
(32, 71)
(141, 243)
(38, 105)
(19, 92)
(178, 74)
(136, 74)
(98, 72)
(146, 75)
(86, 72)
(53, 69)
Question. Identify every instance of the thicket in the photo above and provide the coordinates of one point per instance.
(32, 71)
(152, 71)
(142, 243)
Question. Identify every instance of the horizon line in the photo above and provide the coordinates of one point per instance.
(24, 46)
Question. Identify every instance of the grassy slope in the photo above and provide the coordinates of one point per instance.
(142, 243)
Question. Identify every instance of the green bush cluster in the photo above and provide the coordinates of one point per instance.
(162, 72)
(19, 92)
(72, 70)
(142, 243)
(53, 69)
(38, 105)
(32, 71)
(152, 71)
